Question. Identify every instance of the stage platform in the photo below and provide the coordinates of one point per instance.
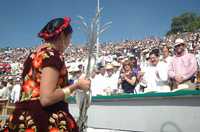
(150, 112)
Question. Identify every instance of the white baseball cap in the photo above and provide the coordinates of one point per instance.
(179, 41)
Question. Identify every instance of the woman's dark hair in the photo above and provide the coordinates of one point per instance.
(165, 46)
(54, 28)
(155, 52)
(133, 58)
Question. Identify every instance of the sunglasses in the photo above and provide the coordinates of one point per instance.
(179, 45)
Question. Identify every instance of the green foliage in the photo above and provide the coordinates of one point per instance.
(187, 22)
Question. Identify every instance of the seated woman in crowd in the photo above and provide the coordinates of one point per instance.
(127, 78)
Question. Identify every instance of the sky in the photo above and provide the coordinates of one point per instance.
(21, 20)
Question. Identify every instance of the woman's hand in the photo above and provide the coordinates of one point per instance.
(122, 77)
(84, 84)
(119, 81)
(126, 78)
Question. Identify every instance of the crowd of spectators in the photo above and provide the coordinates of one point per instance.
(130, 66)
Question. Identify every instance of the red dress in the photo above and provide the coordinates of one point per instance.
(29, 115)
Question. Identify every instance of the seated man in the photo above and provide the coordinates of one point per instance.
(155, 74)
(111, 82)
(183, 67)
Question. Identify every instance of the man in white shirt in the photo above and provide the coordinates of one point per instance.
(198, 58)
(156, 74)
(111, 83)
(6, 90)
(116, 70)
(15, 93)
(166, 55)
(3, 89)
(98, 82)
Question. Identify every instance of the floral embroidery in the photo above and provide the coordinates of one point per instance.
(31, 83)
(60, 122)
(30, 89)
(54, 129)
(26, 124)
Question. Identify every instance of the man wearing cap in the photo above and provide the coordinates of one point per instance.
(116, 69)
(183, 67)
(98, 82)
(111, 83)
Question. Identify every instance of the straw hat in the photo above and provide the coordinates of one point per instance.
(125, 59)
(116, 64)
(109, 66)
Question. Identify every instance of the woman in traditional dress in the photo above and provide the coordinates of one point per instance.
(42, 106)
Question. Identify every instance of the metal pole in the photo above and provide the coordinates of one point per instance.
(98, 29)
(93, 31)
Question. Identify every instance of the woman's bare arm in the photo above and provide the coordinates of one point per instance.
(131, 81)
(49, 93)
